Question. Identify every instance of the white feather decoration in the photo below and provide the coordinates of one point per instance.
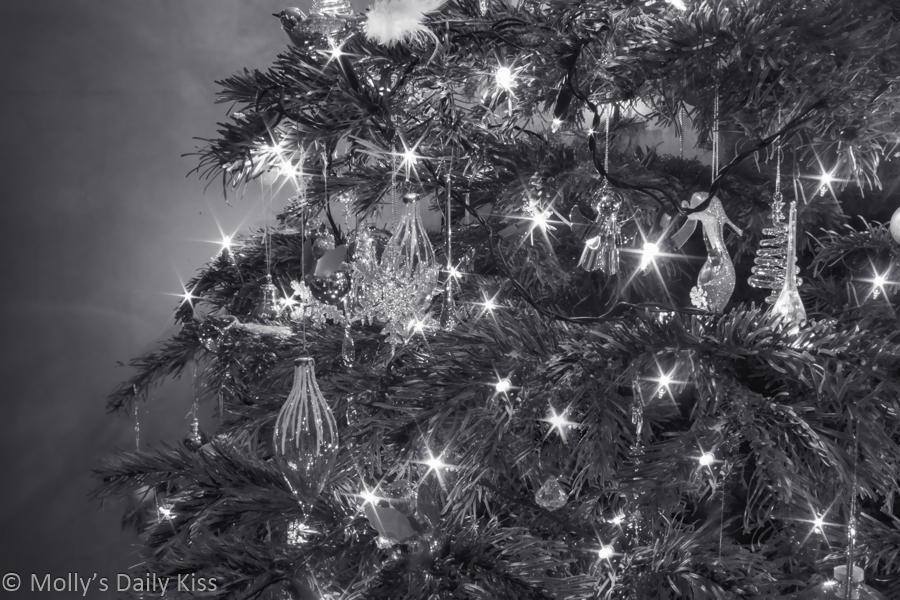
(390, 22)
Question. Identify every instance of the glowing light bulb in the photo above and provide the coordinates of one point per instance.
(454, 272)
(618, 519)
(605, 552)
(409, 157)
(555, 125)
(336, 52)
(226, 242)
(679, 4)
(287, 169)
(664, 380)
(503, 386)
(819, 524)
(651, 250)
(489, 304)
(165, 512)
(188, 297)
(559, 423)
(434, 463)
(417, 325)
(505, 78)
(369, 497)
(826, 178)
(706, 459)
(540, 218)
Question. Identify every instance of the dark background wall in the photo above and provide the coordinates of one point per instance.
(98, 101)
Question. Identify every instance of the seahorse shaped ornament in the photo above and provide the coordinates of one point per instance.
(715, 282)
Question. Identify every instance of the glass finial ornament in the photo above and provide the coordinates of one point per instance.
(788, 306)
(836, 588)
(551, 494)
(715, 282)
(306, 434)
(268, 307)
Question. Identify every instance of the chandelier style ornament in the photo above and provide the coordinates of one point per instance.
(715, 282)
(306, 434)
(399, 291)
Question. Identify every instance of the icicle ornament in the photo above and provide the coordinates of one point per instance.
(715, 282)
(789, 306)
(306, 434)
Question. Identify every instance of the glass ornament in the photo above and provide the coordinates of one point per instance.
(399, 290)
(348, 347)
(306, 434)
(551, 494)
(330, 289)
(836, 589)
(601, 238)
(391, 514)
(788, 306)
(771, 257)
(194, 440)
(268, 307)
(715, 282)
(327, 17)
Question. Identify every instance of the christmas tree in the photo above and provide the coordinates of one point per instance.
(559, 388)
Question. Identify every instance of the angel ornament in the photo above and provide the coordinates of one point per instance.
(715, 282)
(601, 237)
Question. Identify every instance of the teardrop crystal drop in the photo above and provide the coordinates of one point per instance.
(551, 495)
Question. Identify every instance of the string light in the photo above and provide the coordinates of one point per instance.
(503, 386)
(505, 78)
(878, 283)
(454, 272)
(368, 496)
(617, 520)
(706, 459)
(819, 524)
(188, 297)
(417, 325)
(559, 423)
(605, 552)
(651, 251)
(827, 179)
(165, 512)
(541, 218)
(226, 243)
